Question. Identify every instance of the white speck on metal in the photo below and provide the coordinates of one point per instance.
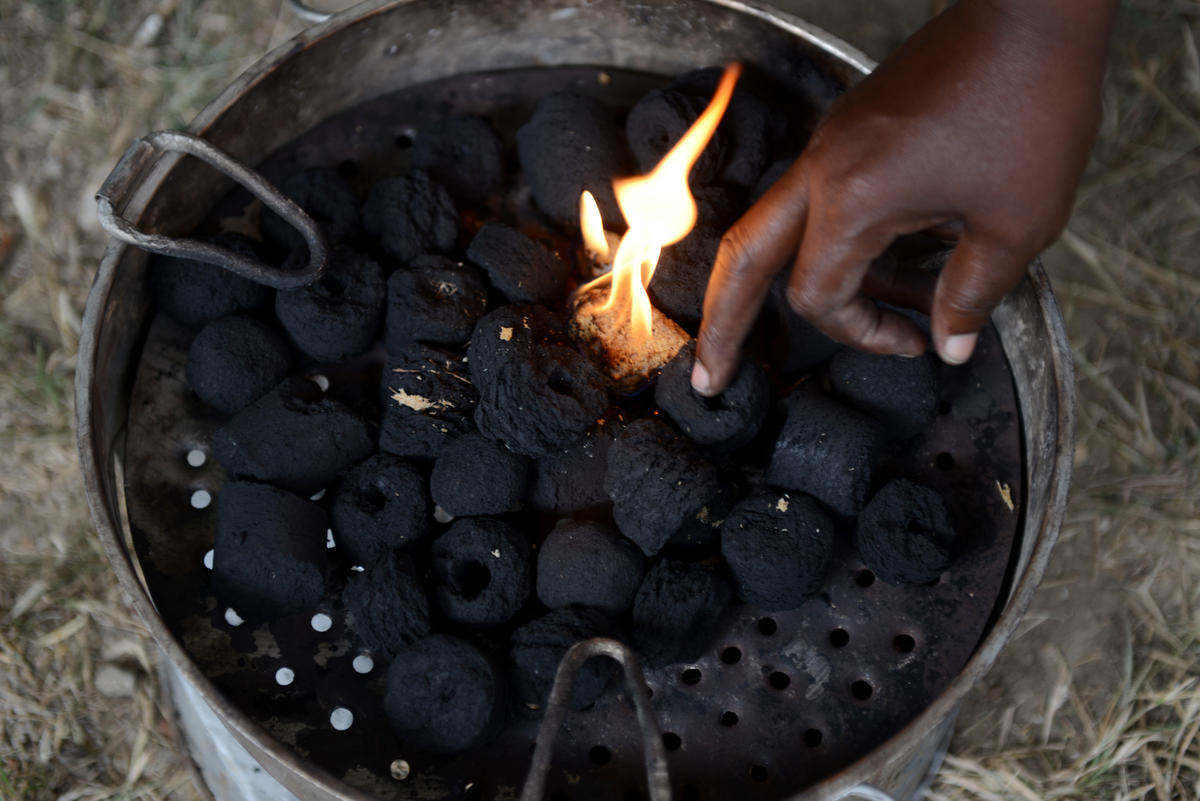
(196, 457)
(363, 663)
(285, 676)
(208, 558)
(201, 499)
(329, 543)
(232, 617)
(321, 622)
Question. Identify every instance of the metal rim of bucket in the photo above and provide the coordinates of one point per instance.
(1048, 397)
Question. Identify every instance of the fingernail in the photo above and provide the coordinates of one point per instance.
(958, 348)
(701, 380)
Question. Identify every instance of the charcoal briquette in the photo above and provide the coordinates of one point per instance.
(726, 421)
(235, 360)
(681, 277)
(428, 401)
(436, 301)
(387, 603)
(572, 143)
(482, 571)
(659, 120)
(521, 269)
(900, 392)
(338, 315)
(700, 535)
(269, 551)
(904, 533)
(749, 127)
(294, 437)
(716, 207)
(796, 344)
(326, 197)
(444, 695)
(827, 450)
(463, 153)
(678, 609)
(656, 480)
(586, 563)
(474, 475)
(410, 216)
(539, 646)
(572, 479)
(380, 505)
(778, 546)
(194, 293)
(538, 394)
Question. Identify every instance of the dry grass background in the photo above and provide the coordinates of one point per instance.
(1099, 696)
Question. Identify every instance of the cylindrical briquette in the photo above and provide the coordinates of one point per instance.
(778, 546)
(904, 533)
(194, 292)
(428, 401)
(410, 216)
(474, 475)
(269, 551)
(436, 301)
(388, 604)
(380, 505)
(900, 392)
(521, 269)
(463, 153)
(482, 571)
(294, 437)
(826, 450)
(656, 480)
(726, 421)
(235, 360)
(678, 609)
(444, 695)
(586, 563)
(539, 646)
(337, 315)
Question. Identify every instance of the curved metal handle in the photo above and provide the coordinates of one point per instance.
(556, 710)
(307, 13)
(126, 177)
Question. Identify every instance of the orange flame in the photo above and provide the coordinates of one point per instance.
(659, 210)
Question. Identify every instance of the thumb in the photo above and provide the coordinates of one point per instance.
(979, 274)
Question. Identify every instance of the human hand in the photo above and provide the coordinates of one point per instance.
(981, 123)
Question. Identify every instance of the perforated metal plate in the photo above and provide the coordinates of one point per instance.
(778, 700)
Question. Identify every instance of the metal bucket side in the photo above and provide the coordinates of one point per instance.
(381, 46)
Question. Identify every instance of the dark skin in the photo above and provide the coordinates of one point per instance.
(977, 128)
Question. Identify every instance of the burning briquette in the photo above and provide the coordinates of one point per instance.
(627, 360)
(235, 360)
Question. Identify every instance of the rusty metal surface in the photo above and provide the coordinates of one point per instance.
(360, 56)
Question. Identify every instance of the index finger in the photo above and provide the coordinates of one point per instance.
(751, 253)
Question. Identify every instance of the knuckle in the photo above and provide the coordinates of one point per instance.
(733, 255)
(806, 301)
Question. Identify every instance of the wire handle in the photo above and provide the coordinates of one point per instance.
(653, 752)
(127, 176)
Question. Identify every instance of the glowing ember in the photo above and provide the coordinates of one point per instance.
(660, 211)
